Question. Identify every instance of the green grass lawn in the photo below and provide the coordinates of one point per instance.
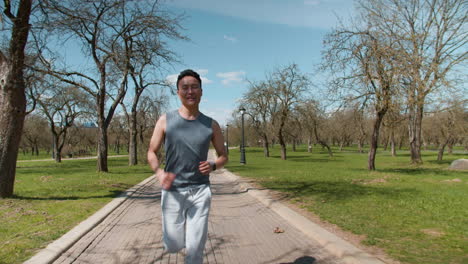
(418, 214)
(29, 156)
(51, 198)
(43, 154)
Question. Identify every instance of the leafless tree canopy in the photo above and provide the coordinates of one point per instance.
(124, 40)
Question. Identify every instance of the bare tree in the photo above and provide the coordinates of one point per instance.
(12, 91)
(152, 106)
(446, 125)
(288, 86)
(430, 40)
(393, 120)
(259, 101)
(293, 129)
(62, 106)
(145, 51)
(313, 119)
(35, 132)
(118, 133)
(108, 32)
(363, 67)
(344, 126)
(359, 119)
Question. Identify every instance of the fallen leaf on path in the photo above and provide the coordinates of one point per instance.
(278, 230)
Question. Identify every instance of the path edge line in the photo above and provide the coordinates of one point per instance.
(56, 248)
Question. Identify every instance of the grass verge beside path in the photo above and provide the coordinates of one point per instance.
(417, 214)
(51, 198)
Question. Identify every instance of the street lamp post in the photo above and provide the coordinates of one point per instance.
(242, 149)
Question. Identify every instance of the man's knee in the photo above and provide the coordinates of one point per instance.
(173, 246)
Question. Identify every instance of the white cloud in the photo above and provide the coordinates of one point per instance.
(229, 77)
(202, 71)
(230, 38)
(205, 80)
(172, 79)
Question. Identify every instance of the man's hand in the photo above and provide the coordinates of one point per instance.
(165, 178)
(205, 167)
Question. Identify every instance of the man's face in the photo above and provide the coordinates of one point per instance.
(189, 91)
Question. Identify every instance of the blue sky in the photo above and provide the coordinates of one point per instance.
(232, 41)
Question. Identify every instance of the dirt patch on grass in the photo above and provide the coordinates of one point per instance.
(453, 180)
(433, 232)
(45, 178)
(365, 182)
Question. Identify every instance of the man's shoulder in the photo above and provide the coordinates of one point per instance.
(162, 118)
(206, 117)
(170, 115)
(206, 120)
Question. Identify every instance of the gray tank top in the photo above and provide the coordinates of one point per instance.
(186, 144)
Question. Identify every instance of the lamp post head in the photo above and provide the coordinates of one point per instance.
(242, 110)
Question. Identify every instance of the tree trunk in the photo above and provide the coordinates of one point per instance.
(400, 144)
(392, 144)
(13, 98)
(375, 140)
(102, 150)
(450, 146)
(440, 153)
(385, 144)
(294, 145)
(309, 145)
(360, 146)
(415, 121)
(12, 113)
(322, 143)
(132, 158)
(117, 146)
(282, 145)
(266, 149)
(57, 149)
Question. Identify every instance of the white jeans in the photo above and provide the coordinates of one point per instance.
(185, 221)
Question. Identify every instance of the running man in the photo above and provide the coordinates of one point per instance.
(186, 194)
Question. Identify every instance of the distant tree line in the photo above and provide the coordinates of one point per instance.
(311, 123)
(80, 138)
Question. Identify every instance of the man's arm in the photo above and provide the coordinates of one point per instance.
(156, 142)
(165, 178)
(218, 143)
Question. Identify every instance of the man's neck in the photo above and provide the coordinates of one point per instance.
(189, 113)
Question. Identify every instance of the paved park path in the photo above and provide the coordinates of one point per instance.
(241, 230)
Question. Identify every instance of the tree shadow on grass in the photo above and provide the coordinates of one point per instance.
(239, 168)
(335, 190)
(441, 162)
(421, 171)
(312, 159)
(112, 194)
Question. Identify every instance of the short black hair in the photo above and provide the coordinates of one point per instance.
(188, 72)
